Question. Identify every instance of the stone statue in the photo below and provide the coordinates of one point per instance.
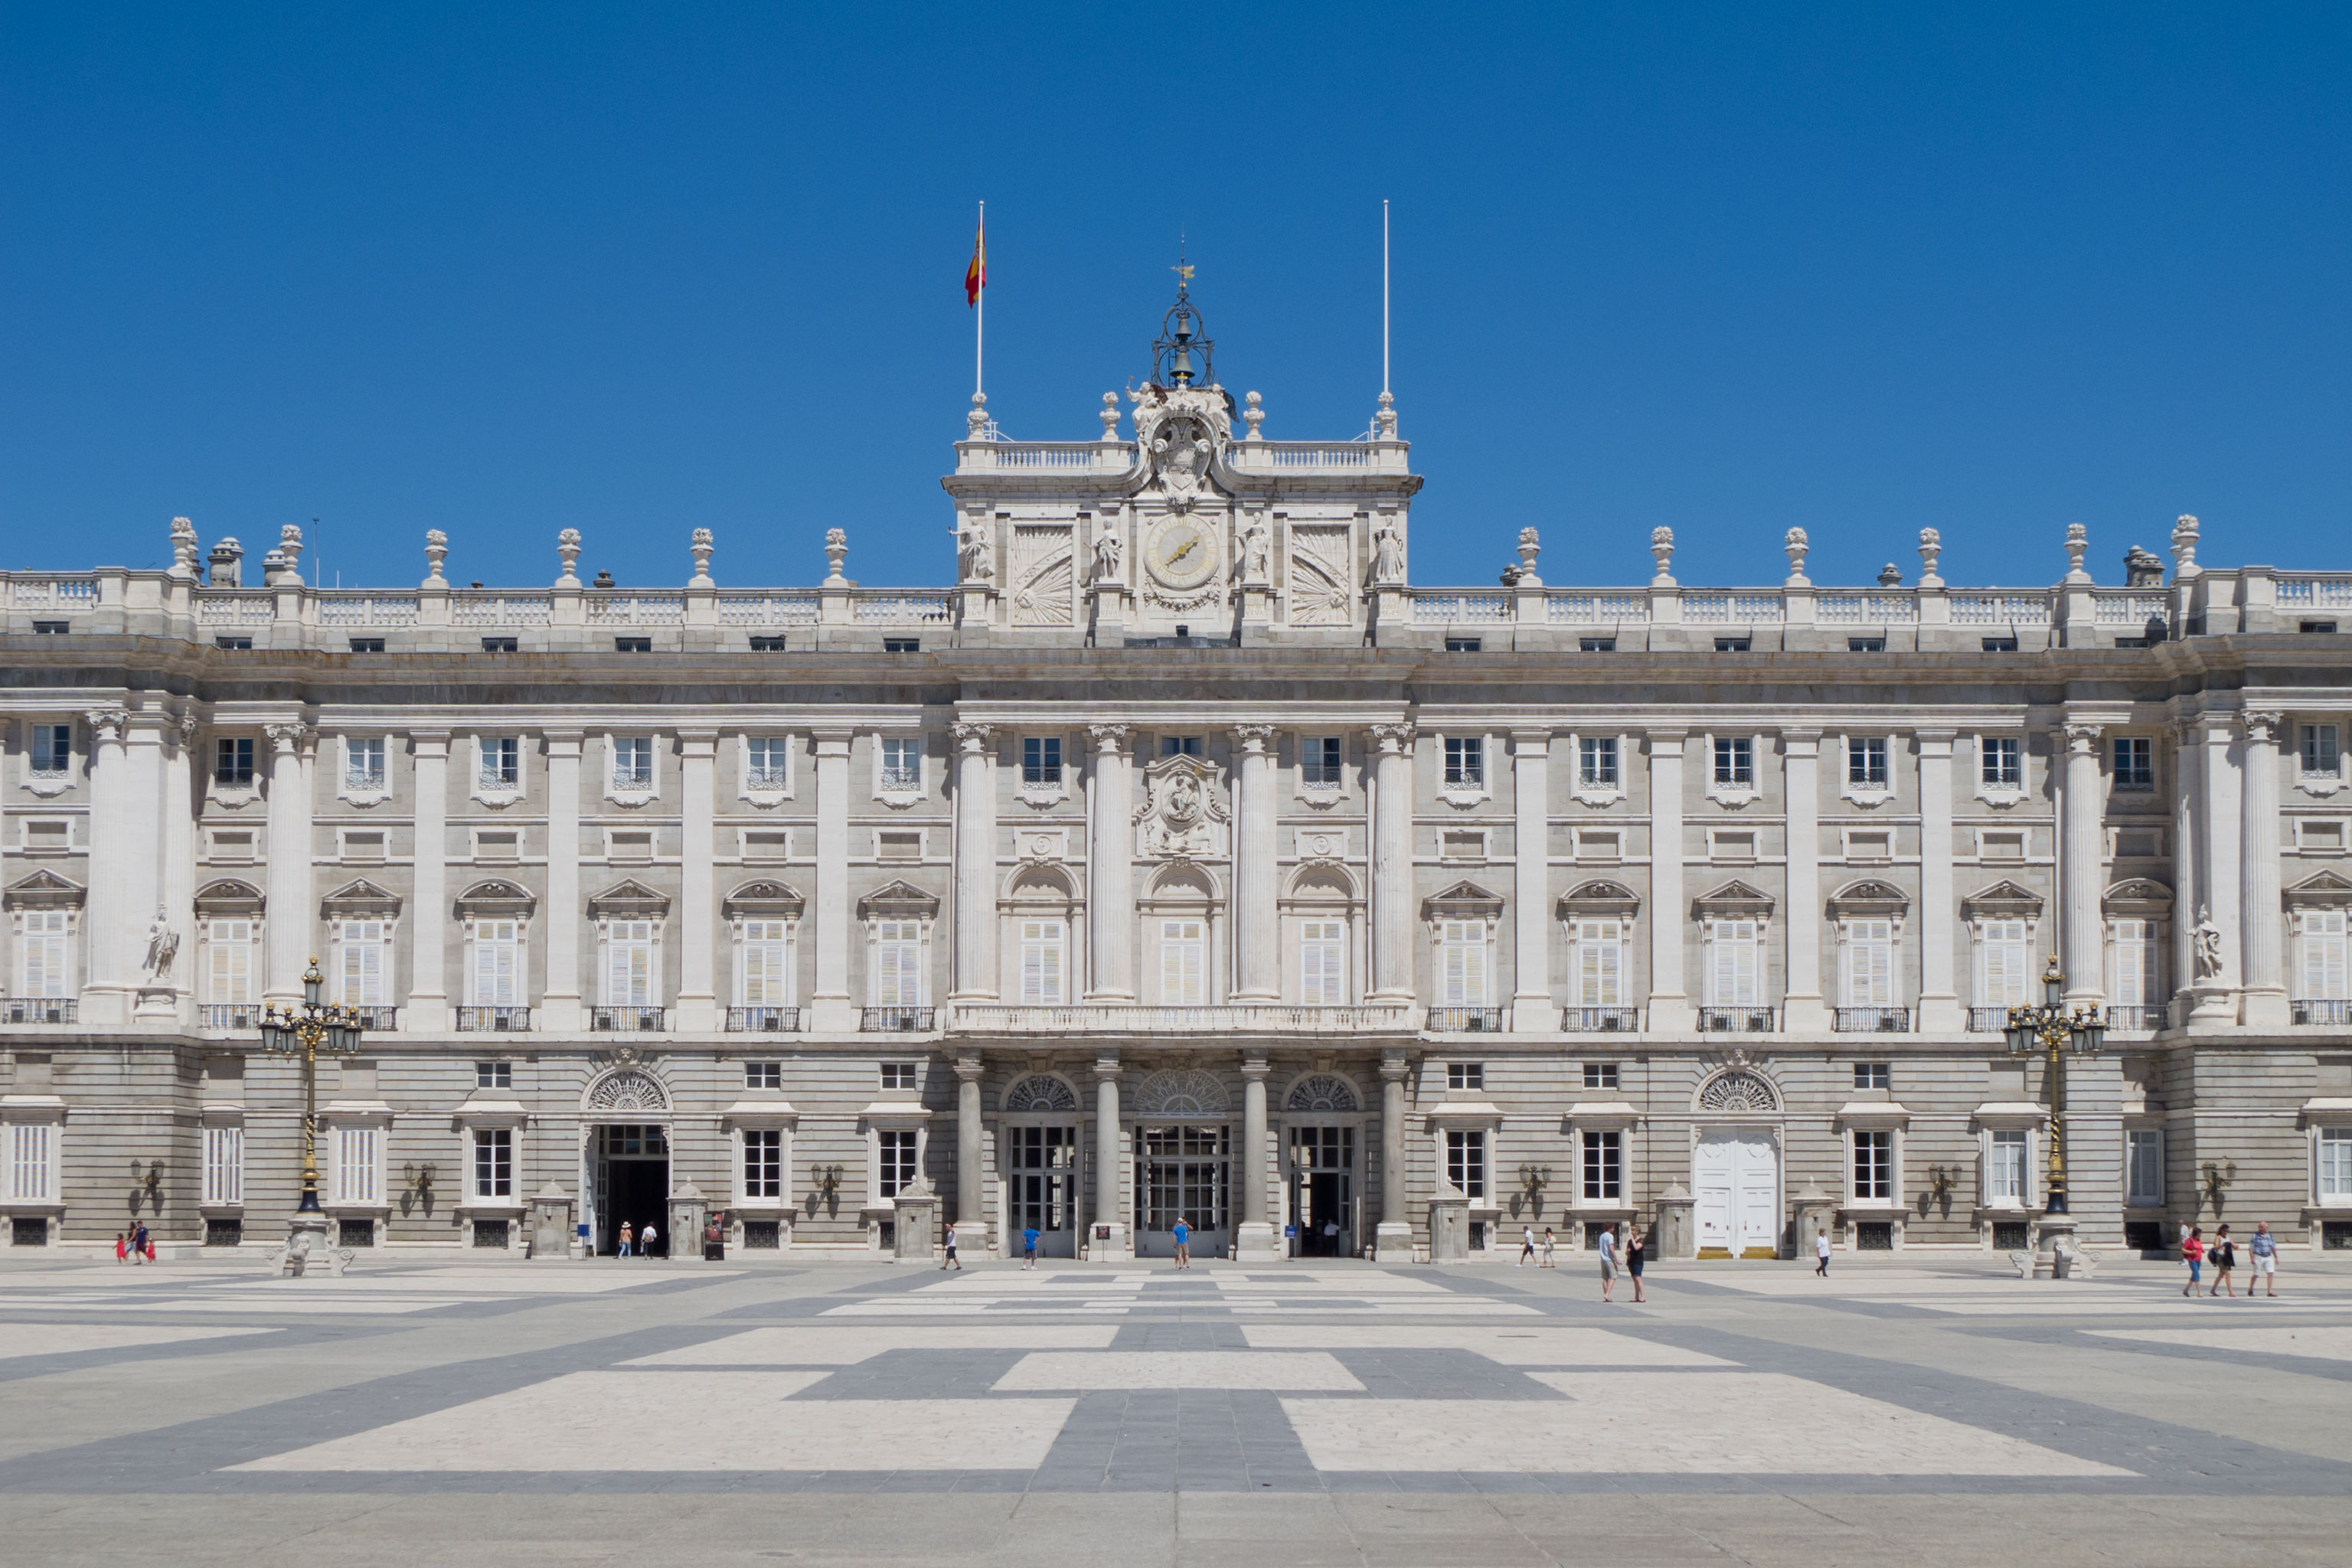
(1388, 552)
(1257, 548)
(163, 947)
(1106, 548)
(973, 563)
(2208, 945)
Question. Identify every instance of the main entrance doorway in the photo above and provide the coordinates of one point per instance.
(1043, 1167)
(1735, 1189)
(1321, 1172)
(1184, 1172)
(631, 1163)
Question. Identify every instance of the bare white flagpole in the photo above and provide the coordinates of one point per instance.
(1385, 295)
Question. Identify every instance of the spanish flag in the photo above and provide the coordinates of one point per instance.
(975, 277)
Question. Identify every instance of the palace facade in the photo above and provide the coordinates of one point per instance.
(1184, 860)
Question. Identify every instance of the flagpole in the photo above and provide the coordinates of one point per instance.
(1384, 296)
(979, 308)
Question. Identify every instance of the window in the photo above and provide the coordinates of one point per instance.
(763, 1074)
(1466, 1075)
(1873, 1164)
(633, 761)
(1596, 645)
(367, 644)
(765, 977)
(1040, 759)
(1465, 1162)
(1733, 970)
(767, 763)
(1866, 645)
(767, 643)
(2319, 753)
(897, 1160)
(2000, 645)
(2135, 763)
(1874, 1075)
(1184, 954)
(228, 960)
(1865, 761)
(1042, 963)
(902, 645)
(633, 645)
(233, 762)
(897, 979)
(904, 1077)
(1604, 1167)
(629, 964)
(357, 1178)
(500, 645)
(1999, 763)
(495, 979)
(223, 1165)
(2335, 1165)
(763, 1163)
(32, 1175)
(1465, 761)
(493, 1162)
(45, 961)
(1732, 645)
(2005, 1167)
(1600, 1075)
(1465, 644)
(2320, 956)
(1318, 761)
(501, 762)
(363, 968)
(1735, 762)
(53, 751)
(62, 628)
(2143, 1168)
(2132, 956)
(234, 645)
(2324, 628)
(493, 1074)
(1462, 963)
(1179, 745)
(1869, 964)
(1322, 964)
(1596, 762)
(1598, 954)
(902, 762)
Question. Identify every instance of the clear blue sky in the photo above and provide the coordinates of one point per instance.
(503, 269)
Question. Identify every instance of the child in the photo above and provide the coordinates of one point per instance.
(2193, 1252)
(122, 1247)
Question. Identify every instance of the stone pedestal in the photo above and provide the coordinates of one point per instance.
(687, 1211)
(1816, 1216)
(309, 1249)
(1675, 1237)
(1392, 1242)
(1449, 1229)
(911, 1227)
(2053, 1237)
(1109, 1243)
(551, 1223)
(1259, 1244)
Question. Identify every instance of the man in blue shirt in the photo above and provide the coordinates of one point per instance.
(1184, 1245)
(1029, 1247)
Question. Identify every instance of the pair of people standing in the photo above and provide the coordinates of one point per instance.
(1629, 1254)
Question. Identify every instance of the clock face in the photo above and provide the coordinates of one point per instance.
(1183, 553)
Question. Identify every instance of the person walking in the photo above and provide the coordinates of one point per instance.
(1029, 1247)
(1184, 1244)
(1608, 1262)
(2264, 1248)
(1635, 1244)
(649, 1241)
(951, 1257)
(2225, 1253)
(1547, 1262)
(2192, 1253)
(1821, 1254)
(122, 1247)
(141, 1249)
(1527, 1246)
(626, 1234)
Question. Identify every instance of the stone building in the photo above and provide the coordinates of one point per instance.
(1183, 860)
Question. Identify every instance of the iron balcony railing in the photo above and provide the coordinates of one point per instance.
(626, 1020)
(1988, 1020)
(1871, 1020)
(895, 1020)
(2330, 1010)
(1466, 1020)
(493, 1020)
(1601, 1020)
(2137, 1017)
(1735, 1020)
(40, 1009)
(378, 1017)
(230, 1015)
(764, 1020)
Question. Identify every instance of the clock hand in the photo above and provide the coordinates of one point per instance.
(1189, 547)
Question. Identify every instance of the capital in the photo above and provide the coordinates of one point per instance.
(1393, 739)
(2082, 735)
(970, 738)
(1253, 737)
(1106, 1069)
(1255, 1065)
(108, 724)
(2262, 723)
(285, 738)
(1394, 1067)
(1108, 739)
(968, 1067)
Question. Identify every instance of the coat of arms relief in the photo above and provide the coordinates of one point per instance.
(1181, 817)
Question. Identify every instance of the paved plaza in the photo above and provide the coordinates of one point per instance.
(1305, 1414)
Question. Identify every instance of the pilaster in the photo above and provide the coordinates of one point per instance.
(1256, 940)
(427, 1007)
(1532, 1009)
(698, 996)
(1803, 1011)
(1393, 976)
(289, 910)
(975, 964)
(1939, 999)
(2081, 863)
(559, 1003)
(833, 1010)
(1670, 1008)
(1110, 858)
(2265, 1005)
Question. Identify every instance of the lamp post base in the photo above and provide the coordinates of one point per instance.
(2053, 1258)
(309, 1252)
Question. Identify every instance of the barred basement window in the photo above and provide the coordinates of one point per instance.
(763, 1236)
(492, 1233)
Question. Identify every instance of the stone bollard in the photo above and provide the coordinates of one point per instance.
(1449, 1229)
(912, 1228)
(551, 1223)
(1676, 1238)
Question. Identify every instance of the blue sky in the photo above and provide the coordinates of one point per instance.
(502, 270)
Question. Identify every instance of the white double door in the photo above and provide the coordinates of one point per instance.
(1736, 1185)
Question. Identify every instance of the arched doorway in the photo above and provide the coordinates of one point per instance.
(624, 1156)
(1037, 1143)
(1184, 1163)
(1736, 1166)
(1323, 1142)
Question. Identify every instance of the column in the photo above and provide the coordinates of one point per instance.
(144, 914)
(2217, 841)
(427, 1011)
(971, 1179)
(1670, 1008)
(1391, 858)
(976, 866)
(2259, 912)
(1532, 1009)
(180, 859)
(2188, 876)
(1111, 873)
(1393, 1237)
(2081, 857)
(1940, 997)
(560, 1003)
(1107, 1169)
(833, 1011)
(289, 911)
(1803, 1008)
(1257, 937)
(111, 968)
(1258, 1237)
(698, 917)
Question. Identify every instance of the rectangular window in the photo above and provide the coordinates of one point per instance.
(2132, 955)
(1735, 761)
(1874, 1075)
(2319, 753)
(1040, 759)
(1042, 962)
(1604, 1167)
(501, 645)
(633, 645)
(364, 973)
(1462, 963)
(766, 763)
(1322, 964)
(233, 762)
(1734, 644)
(1600, 1075)
(1596, 645)
(494, 1075)
(1599, 955)
(1733, 967)
(1466, 1075)
(897, 1151)
(493, 1162)
(1465, 645)
(1465, 1162)
(2005, 1167)
(1866, 645)
(357, 1178)
(44, 962)
(367, 644)
(1870, 963)
(1179, 745)
(1865, 761)
(1596, 762)
(898, 964)
(2135, 763)
(1465, 761)
(495, 979)
(31, 1176)
(633, 761)
(902, 645)
(2001, 763)
(2143, 1168)
(629, 964)
(501, 762)
(2320, 956)
(902, 762)
(1183, 958)
(1873, 1165)
(363, 762)
(53, 751)
(767, 976)
(228, 960)
(763, 1074)
(223, 1165)
(904, 1077)
(763, 1163)
(1318, 761)
(2335, 1164)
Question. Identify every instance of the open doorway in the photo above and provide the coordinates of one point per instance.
(632, 1184)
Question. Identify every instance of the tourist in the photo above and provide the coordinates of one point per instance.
(122, 1247)
(1547, 1262)
(1029, 1247)
(626, 1234)
(2225, 1253)
(1634, 1244)
(1608, 1261)
(1527, 1246)
(143, 1247)
(952, 1258)
(1822, 1253)
(1331, 1238)
(2264, 1251)
(2192, 1253)
(1184, 1244)
(645, 1240)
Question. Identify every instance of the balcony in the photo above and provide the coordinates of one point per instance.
(238, 1016)
(1466, 1020)
(493, 1020)
(2332, 1010)
(626, 1020)
(1871, 1020)
(2138, 1017)
(378, 1017)
(1988, 1020)
(764, 1020)
(1599, 1020)
(1734, 1020)
(1242, 1019)
(895, 1020)
(40, 1009)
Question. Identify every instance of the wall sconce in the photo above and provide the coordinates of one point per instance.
(1533, 1180)
(147, 1182)
(1941, 1180)
(418, 1180)
(2218, 1176)
(828, 1179)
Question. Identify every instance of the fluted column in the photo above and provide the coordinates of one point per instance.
(2082, 857)
(1940, 997)
(2219, 836)
(972, 1202)
(427, 1009)
(2266, 1005)
(1392, 863)
(833, 1010)
(1107, 1167)
(1258, 945)
(2188, 890)
(1532, 1009)
(975, 864)
(179, 871)
(1669, 1007)
(1393, 1237)
(559, 1003)
(109, 969)
(1803, 1009)
(289, 913)
(697, 914)
(1111, 876)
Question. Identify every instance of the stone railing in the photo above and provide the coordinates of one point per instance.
(1460, 609)
(894, 607)
(2131, 606)
(1043, 457)
(57, 595)
(338, 608)
(2007, 607)
(468, 607)
(1316, 457)
(610, 609)
(803, 608)
(2314, 591)
(1232, 1018)
(1612, 608)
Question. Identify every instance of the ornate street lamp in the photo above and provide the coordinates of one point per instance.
(305, 1033)
(2084, 1033)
